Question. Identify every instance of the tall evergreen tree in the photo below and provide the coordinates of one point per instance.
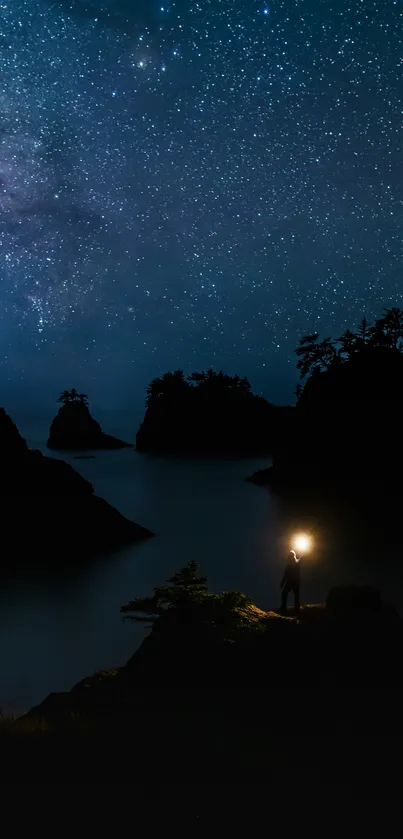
(362, 334)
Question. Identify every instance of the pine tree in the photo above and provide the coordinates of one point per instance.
(187, 587)
(185, 603)
(169, 385)
(362, 334)
(154, 391)
(392, 325)
(313, 356)
(348, 343)
(64, 397)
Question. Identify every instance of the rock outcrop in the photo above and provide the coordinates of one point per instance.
(354, 640)
(49, 511)
(346, 435)
(209, 414)
(73, 428)
(220, 709)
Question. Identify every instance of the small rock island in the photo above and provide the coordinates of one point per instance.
(208, 413)
(50, 514)
(73, 428)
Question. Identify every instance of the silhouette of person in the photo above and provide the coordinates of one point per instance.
(291, 581)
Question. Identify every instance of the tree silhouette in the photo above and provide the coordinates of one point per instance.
(363, 333)
(198, 378)
(313, 355)
(187, 601)
(169, 385)
(210, 381)
(64, 397)
(241, 386)
(377, 336)
(174, 382)
(391, 325)
(67, 397)
(348, 342)
(154, 391)
(212, 384)
(220, 383)
(187, 586)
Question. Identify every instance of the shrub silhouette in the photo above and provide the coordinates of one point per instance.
(186, 601)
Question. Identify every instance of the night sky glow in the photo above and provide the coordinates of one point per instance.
(194, 184)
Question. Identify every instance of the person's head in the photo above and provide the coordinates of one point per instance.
(292, 556)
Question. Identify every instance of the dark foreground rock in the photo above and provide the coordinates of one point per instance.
(353, 641)
(50, 512)
(74, 428)
(261, 478)
(305, 701)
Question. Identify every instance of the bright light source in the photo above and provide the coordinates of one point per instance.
(301, 542)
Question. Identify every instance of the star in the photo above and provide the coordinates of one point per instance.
(195, 184)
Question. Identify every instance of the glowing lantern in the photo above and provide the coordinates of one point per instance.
(301, 543)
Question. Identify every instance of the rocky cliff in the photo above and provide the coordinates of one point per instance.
(346, 434)
(49, 511)
(308, 700)
(352, 640)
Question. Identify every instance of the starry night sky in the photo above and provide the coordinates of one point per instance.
(193, 184)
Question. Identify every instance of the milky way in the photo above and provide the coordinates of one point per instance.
(194, 184)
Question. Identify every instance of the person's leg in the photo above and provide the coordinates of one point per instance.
(284, 597)
(297, 601)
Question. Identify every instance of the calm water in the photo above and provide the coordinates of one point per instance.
(55, 631)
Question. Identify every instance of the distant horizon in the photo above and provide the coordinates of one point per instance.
(38, 399)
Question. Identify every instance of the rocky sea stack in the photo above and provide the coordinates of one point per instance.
(74, 428)
(49, 511)
(208, 413)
